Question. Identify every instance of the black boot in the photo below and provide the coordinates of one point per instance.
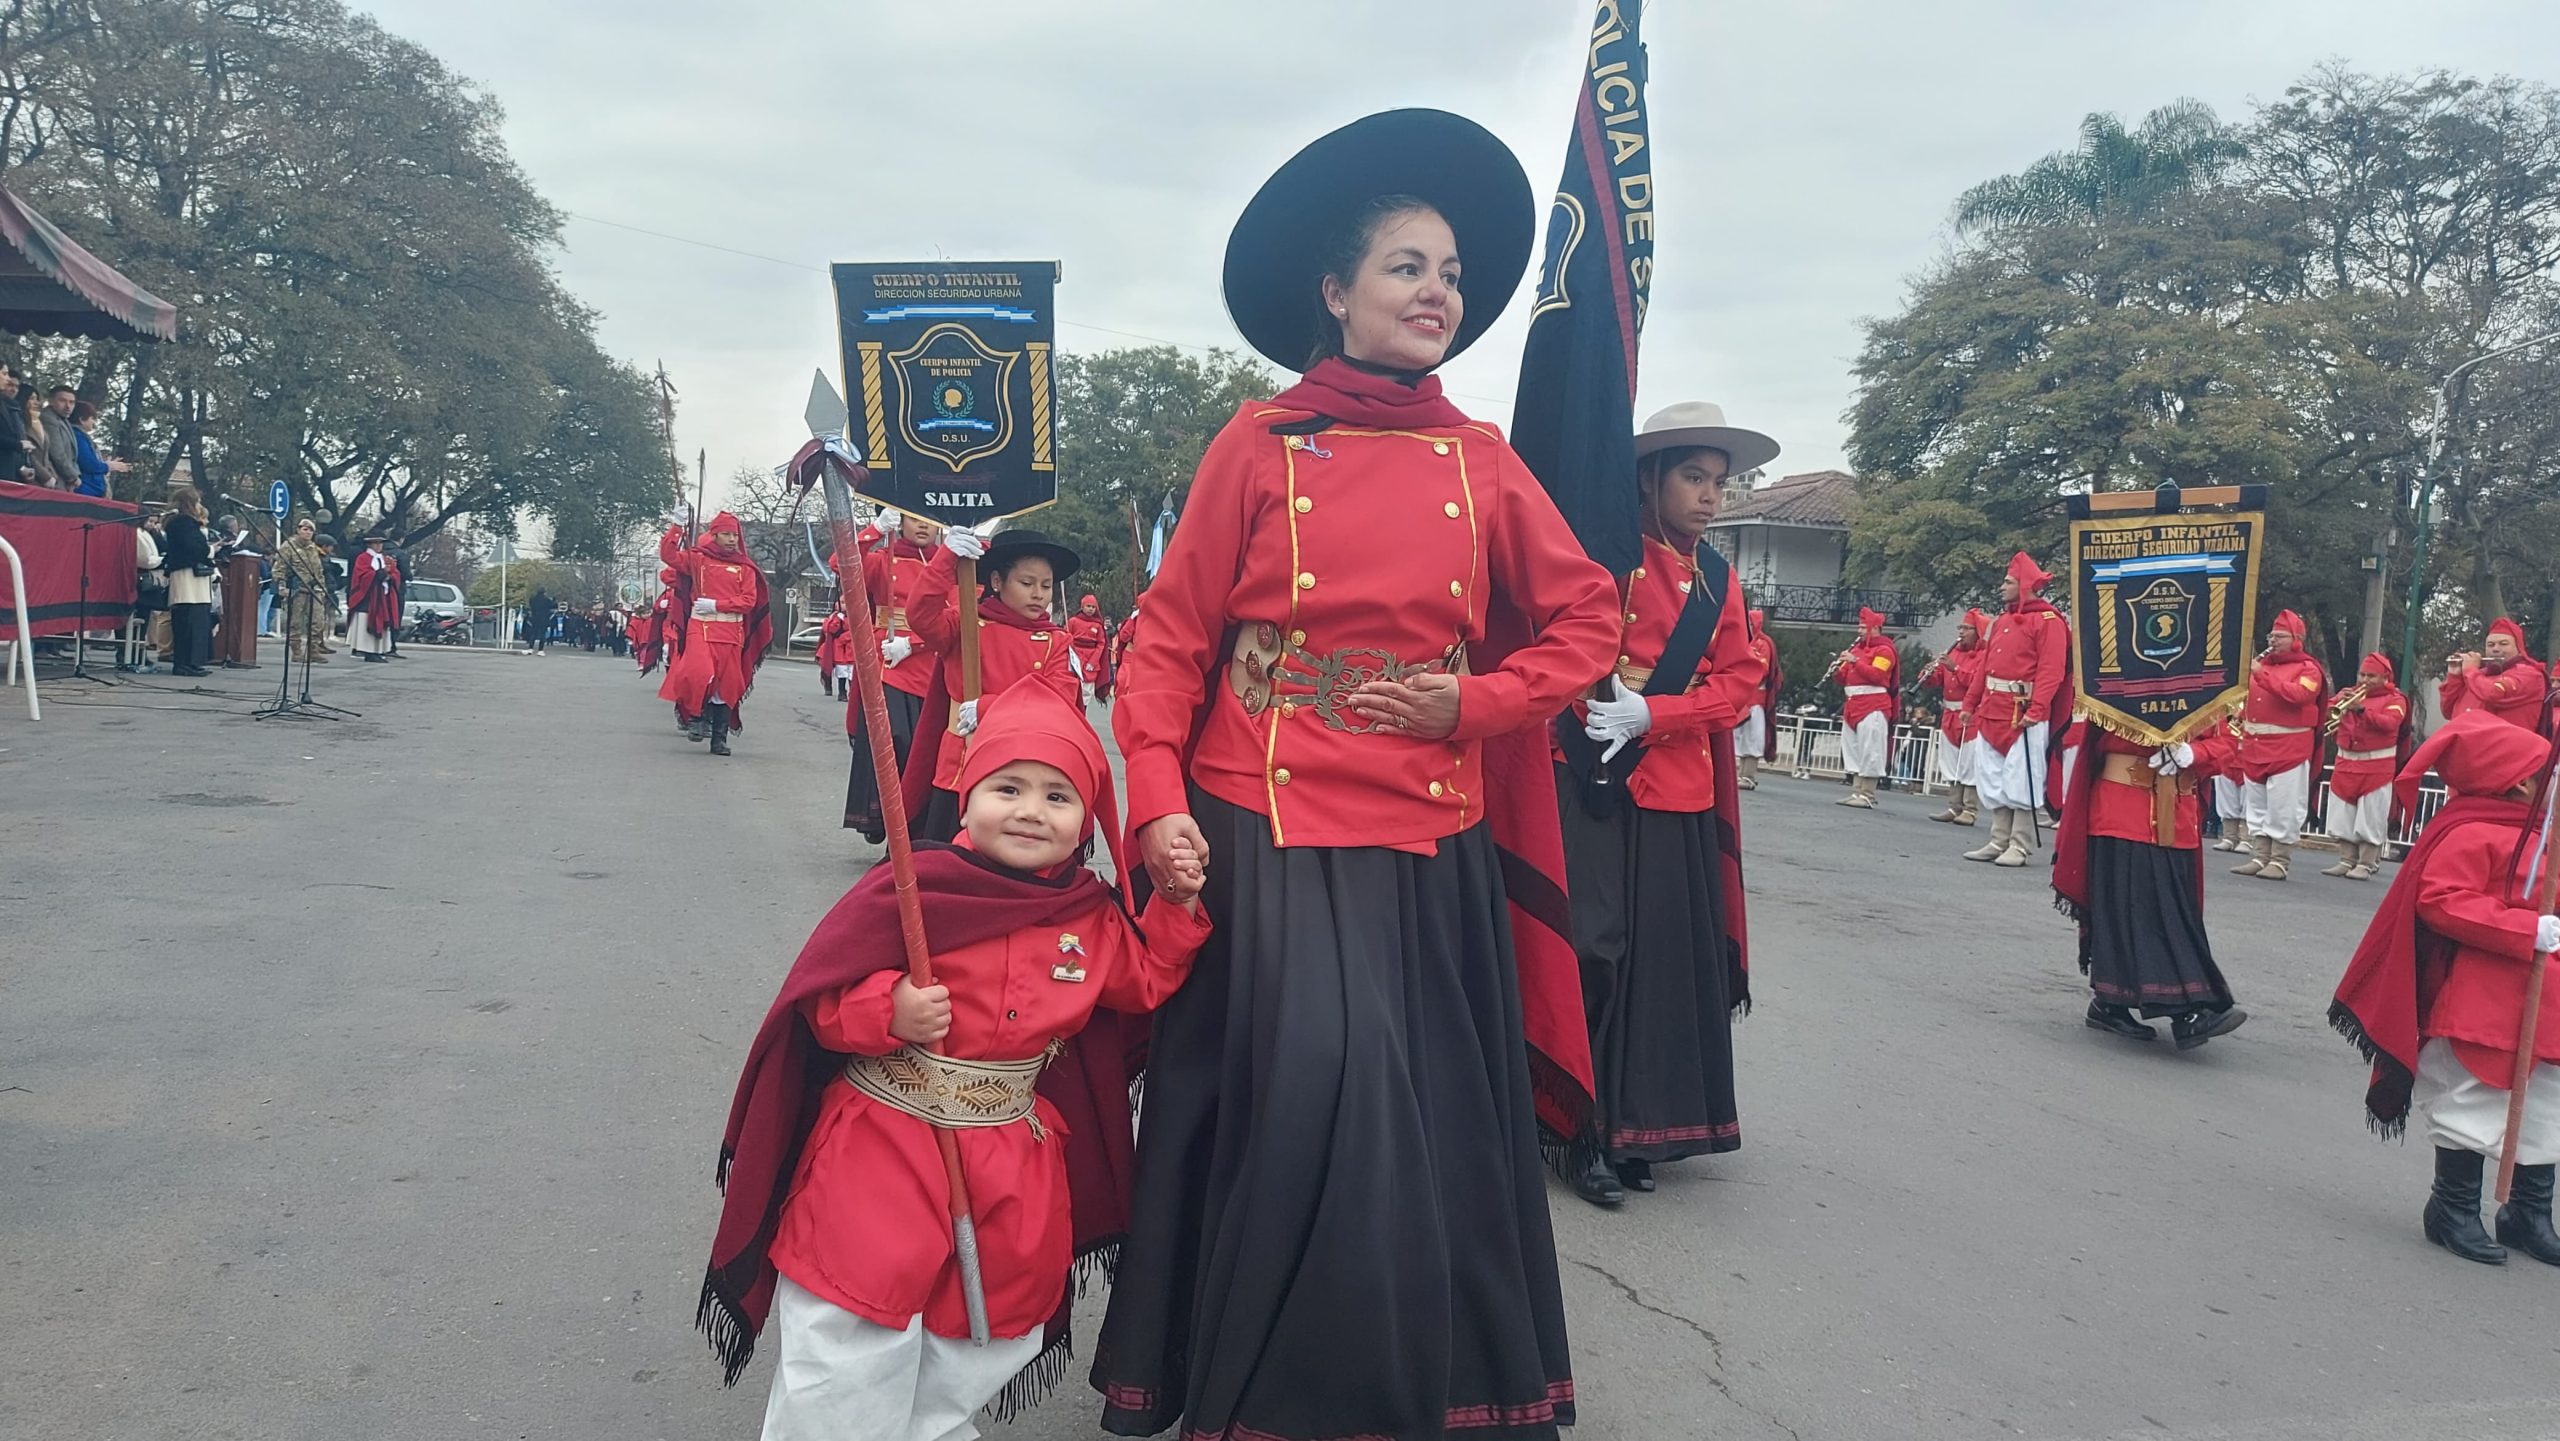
(699, 728)
(2452, 1218)
(1636, 1175)
(844, 690)
(2117, 1021)
(2524, 1223)
(719, 729)
(1598, 1184)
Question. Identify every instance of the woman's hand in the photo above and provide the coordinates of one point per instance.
(1425, 706)
(919, 1015)
(1173, 851)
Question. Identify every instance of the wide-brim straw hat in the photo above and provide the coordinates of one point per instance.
(1275, 256)
(1700, 422)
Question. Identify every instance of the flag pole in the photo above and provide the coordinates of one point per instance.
(893, 815)
(2546, 893)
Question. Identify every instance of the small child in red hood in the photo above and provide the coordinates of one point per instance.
(1034, 960)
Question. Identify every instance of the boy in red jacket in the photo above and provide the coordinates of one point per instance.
(856, 1067)
(2435, 995)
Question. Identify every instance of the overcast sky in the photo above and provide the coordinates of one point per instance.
(1807, 153)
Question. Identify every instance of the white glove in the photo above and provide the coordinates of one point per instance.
(887, 521)
(896, 649)
(2169, 760)
(965, 721)
(684, 514)
(2546, 935)
(965, 543)
(705, 605)
(1619, 719)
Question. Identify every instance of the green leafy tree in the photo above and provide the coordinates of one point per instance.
(2113, 174)
(1132, 426)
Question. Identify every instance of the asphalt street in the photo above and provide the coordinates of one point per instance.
(363, 1078)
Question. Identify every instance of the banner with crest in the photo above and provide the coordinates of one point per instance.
(2164, 606)
(948, 377)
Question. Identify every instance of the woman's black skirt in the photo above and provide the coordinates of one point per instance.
(1659, 978)
(2143, 943)
(862, 791)
(1341, 1216)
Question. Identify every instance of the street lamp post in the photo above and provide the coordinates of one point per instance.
(2426, 497)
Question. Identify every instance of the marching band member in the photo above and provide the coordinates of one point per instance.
(892, 576)
(1869, 674)
(1952, 678)
(730, 628)
(1086, 634)
(1756, 739)
(2022, 692)
(2279, 723)
(2500, 678)
(2370, 724)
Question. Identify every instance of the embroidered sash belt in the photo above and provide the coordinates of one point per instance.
(945, 1091)
(1264, 672)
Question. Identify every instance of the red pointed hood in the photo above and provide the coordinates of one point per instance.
(2478, 754)
(2291, 624)
(2030, 576)
(1031, 722)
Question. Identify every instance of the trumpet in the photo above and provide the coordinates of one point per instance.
(2345, 703)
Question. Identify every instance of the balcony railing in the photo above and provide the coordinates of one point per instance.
(1836, 605)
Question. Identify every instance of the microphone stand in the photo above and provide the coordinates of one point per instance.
(285, 706)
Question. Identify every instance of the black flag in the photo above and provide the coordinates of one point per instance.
(1574, 420)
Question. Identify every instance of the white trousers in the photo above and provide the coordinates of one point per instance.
(842, 1378)
(2464, 1115)
(2070, 770)
(2012, 780)
(1955, 762)
(2276, 806)
(2366, 820)
(1863, 746)
(1752, 736)
(844, 672)
(2226, 799)
(363, 639)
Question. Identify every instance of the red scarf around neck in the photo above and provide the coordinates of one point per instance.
(1343, 391)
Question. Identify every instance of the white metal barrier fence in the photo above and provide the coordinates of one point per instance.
(1809, 745)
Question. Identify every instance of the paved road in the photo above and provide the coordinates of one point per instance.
(363, 1079)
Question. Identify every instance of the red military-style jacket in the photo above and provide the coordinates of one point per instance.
(1085, 635)
(2514, 695)
(2025, 666)
(2368, 744)
(2473, 891)
(1006, 653)
(2122, 808)
(891, 577)
(867, 1226)
(1678, 771)
(1871, 665)
(1952, 677)
(1307, 564)
(2280, 720)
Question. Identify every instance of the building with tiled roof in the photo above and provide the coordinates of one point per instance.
(1788, 540)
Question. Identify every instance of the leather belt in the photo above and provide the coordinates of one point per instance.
(2127, 770)
(2009, 687)
(889, 617)
(2385, 754)
(1264, 672)
(946, 1091)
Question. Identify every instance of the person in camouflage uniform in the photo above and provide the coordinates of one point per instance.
(306, 587)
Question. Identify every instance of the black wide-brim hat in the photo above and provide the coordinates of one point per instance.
(1010, 543)
(1275, 257)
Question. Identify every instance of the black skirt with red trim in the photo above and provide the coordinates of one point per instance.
(1661, 979)
(862, 791)
(1340, 1225)
(2143, 943)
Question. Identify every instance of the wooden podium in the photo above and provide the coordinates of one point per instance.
(237, 645)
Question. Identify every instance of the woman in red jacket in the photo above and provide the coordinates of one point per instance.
(1341, 1218)
(1652, 842)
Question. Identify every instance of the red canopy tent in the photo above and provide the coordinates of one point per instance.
(50, 285)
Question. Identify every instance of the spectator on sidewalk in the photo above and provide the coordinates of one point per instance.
(94, 468)
(150, 599)
(537, 618)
